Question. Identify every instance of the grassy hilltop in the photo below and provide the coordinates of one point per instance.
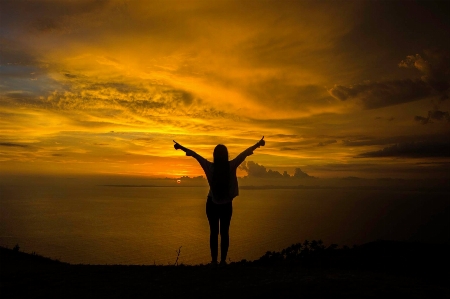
(310, 269)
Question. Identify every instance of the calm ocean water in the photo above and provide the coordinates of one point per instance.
(88, 223)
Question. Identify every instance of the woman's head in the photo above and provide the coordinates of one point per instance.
(220, 153)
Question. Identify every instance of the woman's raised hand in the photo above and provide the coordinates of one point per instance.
(177, 146)
(262, 142)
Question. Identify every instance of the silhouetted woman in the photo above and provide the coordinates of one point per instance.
(223, 187)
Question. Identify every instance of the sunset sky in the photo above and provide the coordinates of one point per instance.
(338, 88)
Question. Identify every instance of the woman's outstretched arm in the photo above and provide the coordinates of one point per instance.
(259, 143)
(241, 157)
(188, 152)
(205, 164)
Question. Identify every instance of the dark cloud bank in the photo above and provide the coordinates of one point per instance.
(433, 115)
(412, 150)
(255, 170)
(381, 94)
(434, 67)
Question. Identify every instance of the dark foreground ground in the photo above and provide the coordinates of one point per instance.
(375, 270)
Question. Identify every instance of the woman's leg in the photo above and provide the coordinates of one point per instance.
(213, 219)
(226, 210)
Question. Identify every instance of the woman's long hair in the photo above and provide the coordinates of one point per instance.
(221, 174)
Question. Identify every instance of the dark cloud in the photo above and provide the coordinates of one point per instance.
(383, 170)
(350, 168)
(210, 113)
(443, 164)
(9, 144)
(300, 174)
(285, 39)
(367, 140)
(284, 136)
(121, 87)
(286, 148)
(255, 170)
(433, 115)
(13, 71)
(384, 30)
(21, 71)
(306, 142)
(14, 53)
(381, 94)
(279, 93)
(183, 96)
(383, 118)
(47, 24)
(70, 76)
(435, 67)
(327, 142)
(273, 51)
(44, 15)
(412, 150)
